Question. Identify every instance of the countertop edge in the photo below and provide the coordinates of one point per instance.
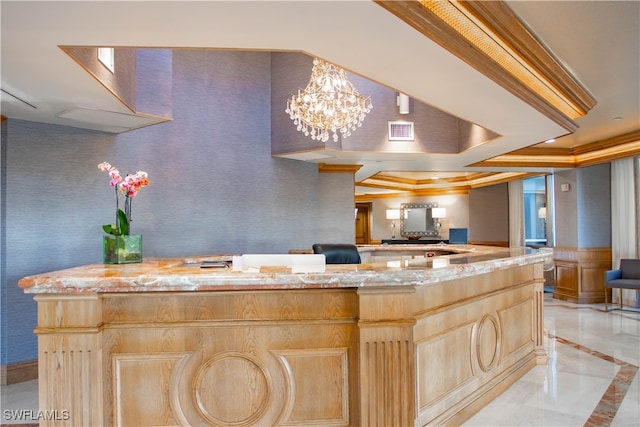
(168, 275)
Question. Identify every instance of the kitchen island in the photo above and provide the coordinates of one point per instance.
(413, 341)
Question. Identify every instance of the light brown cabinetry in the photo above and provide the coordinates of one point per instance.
(579, 274)
(383, 355)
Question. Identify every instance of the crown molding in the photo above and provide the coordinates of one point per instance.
(602, 151)
(328, 168)
(363, 198)
(490, 37)
(403, 187)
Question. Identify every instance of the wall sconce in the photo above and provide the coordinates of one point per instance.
(393, 214)
(403, 103)
(437, 214)
(542, 212)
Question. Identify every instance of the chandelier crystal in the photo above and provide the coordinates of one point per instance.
(329, 103)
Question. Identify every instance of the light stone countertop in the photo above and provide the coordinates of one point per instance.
(427, 247)
(186, 274)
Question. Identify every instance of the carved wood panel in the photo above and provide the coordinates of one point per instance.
(318, 386)
(225, 379)
(232, 359)
(375, 356)
(473, 345)
(155, 375)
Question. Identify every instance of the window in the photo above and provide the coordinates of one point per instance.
(537, 214)
(106, 57)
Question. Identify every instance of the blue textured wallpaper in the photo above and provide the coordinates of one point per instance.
(215, 188)
(583, 213)
(435, 130)
(566, 207)
(3, 241)
(594, 205)
(489, 217)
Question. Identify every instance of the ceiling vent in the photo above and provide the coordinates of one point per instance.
(401, 131)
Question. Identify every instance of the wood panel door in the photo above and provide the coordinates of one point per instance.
(363, 236)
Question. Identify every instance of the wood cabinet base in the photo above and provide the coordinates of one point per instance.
(374, 356)
(579, 274)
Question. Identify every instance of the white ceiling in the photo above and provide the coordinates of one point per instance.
(599, 41)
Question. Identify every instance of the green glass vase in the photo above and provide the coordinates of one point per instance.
(122, 249)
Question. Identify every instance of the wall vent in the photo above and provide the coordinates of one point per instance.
(401, 131)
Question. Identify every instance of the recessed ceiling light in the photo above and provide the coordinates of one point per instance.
(617, 118)
(550, 140)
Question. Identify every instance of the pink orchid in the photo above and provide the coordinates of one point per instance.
(129, 186)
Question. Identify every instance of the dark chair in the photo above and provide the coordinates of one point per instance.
(338, 253)
(625, 277)
(458, 236)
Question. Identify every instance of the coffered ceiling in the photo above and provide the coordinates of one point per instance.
(397, 44)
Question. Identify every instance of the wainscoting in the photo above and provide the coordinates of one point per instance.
(18, 372)
(580, 273)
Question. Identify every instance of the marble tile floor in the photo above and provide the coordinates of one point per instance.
(591, 378)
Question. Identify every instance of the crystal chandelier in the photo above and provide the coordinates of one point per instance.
(328, 103)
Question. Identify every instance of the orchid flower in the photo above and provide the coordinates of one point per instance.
(129, 186)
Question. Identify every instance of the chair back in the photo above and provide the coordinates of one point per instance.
(458, 236)
(630, 268)
(338, 253)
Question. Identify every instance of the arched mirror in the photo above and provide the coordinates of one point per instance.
(416, 220)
